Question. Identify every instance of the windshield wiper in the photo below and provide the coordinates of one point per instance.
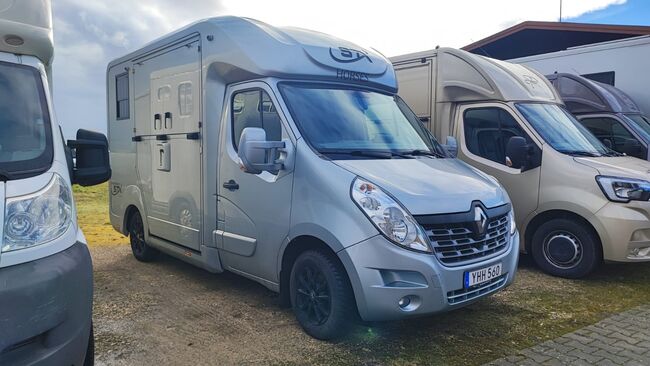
(5, 176)
(421, 152)
(377, 154)
(580, 153)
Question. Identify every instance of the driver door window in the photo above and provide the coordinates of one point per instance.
(612, 133)
(488, 130)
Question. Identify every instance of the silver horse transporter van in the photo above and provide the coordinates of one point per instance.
(46, 276)
(284, 155)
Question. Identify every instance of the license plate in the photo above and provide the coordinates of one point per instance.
(483, 275)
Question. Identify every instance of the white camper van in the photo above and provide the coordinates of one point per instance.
(283, 155)
(577, 202)
(46, 282)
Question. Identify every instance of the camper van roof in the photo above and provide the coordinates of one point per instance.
(582, 95)
(240, 49)
(26, 28)
(466, 77)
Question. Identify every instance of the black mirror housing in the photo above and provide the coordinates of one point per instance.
(91, 158)
(517, 155)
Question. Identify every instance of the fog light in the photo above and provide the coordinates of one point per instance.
(404, 302)
(639, 253)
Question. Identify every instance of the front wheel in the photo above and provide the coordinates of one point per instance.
(321, 296)
(566, 248)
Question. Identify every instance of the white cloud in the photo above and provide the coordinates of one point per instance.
(89, 33)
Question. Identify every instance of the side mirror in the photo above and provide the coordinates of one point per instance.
(517, 152)
(451, 145)
(257, 155)
(91, 159)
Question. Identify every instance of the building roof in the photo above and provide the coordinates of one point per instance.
(534, 38)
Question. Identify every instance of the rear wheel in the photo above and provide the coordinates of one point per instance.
(321, 296)
(566, 248)
(141, 251)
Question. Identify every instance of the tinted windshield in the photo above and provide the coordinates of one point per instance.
(561, 130)
(640, 124)
(25, 133)
(342, 123)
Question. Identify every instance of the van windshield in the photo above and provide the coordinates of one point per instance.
(347, 123)
(561, 130)
(25, 132)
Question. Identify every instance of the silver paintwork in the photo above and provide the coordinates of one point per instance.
(247, 230)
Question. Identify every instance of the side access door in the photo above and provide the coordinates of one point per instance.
(484, 131)
(168, 135)
(255, 208)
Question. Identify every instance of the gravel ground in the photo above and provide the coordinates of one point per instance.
(170, 313)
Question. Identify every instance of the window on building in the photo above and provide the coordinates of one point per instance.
(608, 77)
(122, 96)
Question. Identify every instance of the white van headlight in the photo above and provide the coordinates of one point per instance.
(619, 189)
(389, 217)
(39, 217)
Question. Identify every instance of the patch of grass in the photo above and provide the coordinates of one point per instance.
(92, 210)
(534, 309)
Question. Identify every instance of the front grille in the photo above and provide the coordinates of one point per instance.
(456, 244)
(466, 294)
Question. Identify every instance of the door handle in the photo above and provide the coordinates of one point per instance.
(231, 185)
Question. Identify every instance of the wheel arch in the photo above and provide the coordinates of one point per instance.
(545, 216)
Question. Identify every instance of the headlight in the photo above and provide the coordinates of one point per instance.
(513, 225)
(39, 217)
(389, 217)
(624, 189)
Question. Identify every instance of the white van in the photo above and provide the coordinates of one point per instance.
(283, 155)
(46, 282)
(577, 202)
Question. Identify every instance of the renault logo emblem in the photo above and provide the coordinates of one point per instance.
(480, 221)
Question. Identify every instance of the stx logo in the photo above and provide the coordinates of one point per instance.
(530, 80)
(348, 55)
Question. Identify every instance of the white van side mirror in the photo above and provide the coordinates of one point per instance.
(257, 155)
(451, 145)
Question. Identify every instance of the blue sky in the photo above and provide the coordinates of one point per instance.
(90, 33)
(632, 12)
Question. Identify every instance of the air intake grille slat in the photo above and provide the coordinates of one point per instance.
(456, 244)
(466, 294)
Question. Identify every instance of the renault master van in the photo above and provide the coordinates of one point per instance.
(576, 201)
(46, 282)
(607, 112)
(284, 155)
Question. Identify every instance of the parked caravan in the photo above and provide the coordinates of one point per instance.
(46, 280)
(576, 201)
(621, 63)
(283, 155)
(610, 114)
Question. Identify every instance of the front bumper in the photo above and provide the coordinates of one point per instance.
(624, 228)
(46, 309)
(381, 274)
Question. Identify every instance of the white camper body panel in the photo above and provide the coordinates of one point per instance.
(627, 59)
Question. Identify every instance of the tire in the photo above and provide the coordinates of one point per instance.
(321, 296)
(566, 248)
(89, 360)
(141, 251)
